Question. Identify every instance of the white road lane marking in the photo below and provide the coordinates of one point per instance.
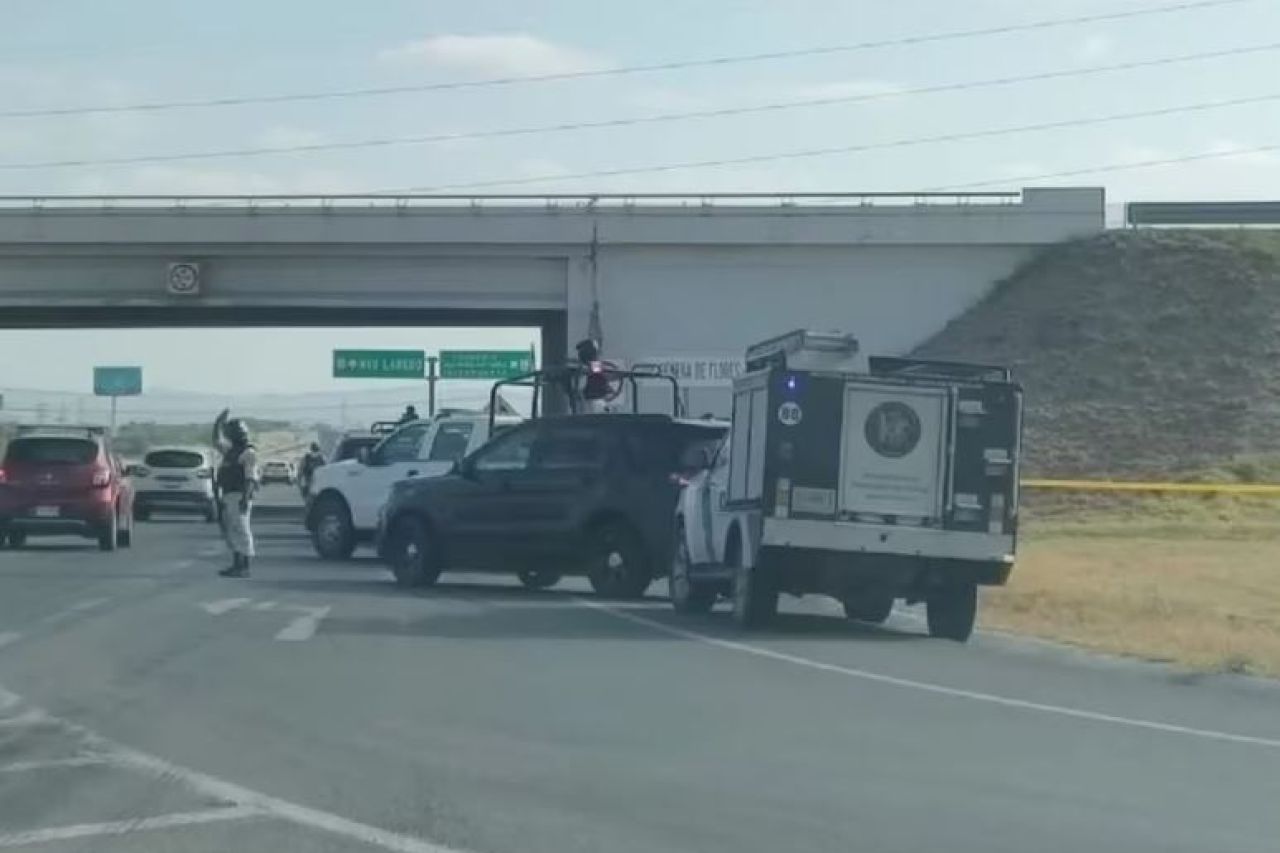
(305, 626)
(126, 827)
(26, 718)
(8, 638)
(264, 605)
(77, 608)
(929, 687)
(247, 800)
(55, 764)
(226, 605)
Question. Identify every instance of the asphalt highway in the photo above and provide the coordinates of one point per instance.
(148, 705)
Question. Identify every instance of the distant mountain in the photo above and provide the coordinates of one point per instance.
(353, 409)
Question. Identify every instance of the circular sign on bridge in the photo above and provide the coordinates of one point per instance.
(183, 279)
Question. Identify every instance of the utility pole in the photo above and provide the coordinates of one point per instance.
(432, 378)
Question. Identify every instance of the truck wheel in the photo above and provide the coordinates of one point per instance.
(333, 535)
(868, 606)
(687, 595)
(412, 554)
(109, 533)
(538, 578)
(755, 597)
(951, 611)
(618, 566)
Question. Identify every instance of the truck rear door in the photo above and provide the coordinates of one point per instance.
(984, 480)
(893, 458)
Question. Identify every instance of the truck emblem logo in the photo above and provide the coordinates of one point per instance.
(892, 429)
(790, 414)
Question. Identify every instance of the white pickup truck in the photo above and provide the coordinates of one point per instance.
(348, 495)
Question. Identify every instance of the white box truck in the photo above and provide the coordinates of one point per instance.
(867, 479)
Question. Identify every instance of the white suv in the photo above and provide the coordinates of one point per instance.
(174, 479)
(348, 495)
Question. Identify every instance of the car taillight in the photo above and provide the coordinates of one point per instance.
(101, 479)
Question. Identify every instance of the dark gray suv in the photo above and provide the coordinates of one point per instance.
(589, 495)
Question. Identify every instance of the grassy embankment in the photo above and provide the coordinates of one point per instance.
(1194, 580)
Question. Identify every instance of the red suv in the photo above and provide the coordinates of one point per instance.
(64, 480)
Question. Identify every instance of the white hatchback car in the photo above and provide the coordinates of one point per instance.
(174, 479)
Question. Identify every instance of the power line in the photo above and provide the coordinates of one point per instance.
(632, 121)
(847, 149)
(1113, 167)
(733, 59)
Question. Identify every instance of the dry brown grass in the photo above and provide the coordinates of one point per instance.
(1191, 581)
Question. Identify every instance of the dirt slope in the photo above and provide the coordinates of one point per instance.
(1142, 353)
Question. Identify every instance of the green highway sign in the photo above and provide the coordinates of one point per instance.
(117, 381)
(484, 364)
(378, 364)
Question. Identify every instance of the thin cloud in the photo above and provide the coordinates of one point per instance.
(177, 181)
(857, 88)
(288, 136)
(508, 55)
(1095, 47)
(1244, 157)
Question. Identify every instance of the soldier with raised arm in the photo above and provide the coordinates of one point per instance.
(237, 482)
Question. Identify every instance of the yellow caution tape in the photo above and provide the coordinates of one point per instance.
(1192, 488)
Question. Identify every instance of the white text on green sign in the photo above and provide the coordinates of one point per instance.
(378, 364)
(484, 364)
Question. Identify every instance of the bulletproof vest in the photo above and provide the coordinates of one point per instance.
(231, 476)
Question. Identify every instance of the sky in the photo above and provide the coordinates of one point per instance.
(73, 54)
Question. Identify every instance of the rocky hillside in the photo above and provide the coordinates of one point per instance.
(1143, 353)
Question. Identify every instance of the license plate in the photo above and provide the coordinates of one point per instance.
(47, 512)
(173, 485)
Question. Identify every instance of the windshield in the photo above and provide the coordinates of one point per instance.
(173, 459)
(451, 441)
(52, 451)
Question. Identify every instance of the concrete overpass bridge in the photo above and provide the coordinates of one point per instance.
(691, 279)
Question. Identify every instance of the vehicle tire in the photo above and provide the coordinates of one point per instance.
(755, 597)
(868, 606)
(412, 555)
(687, 595)
(538, 578)
(142, 515)
(109, 534)
(951, 611)
(333, 535)
(17, 538)
(618, 565)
